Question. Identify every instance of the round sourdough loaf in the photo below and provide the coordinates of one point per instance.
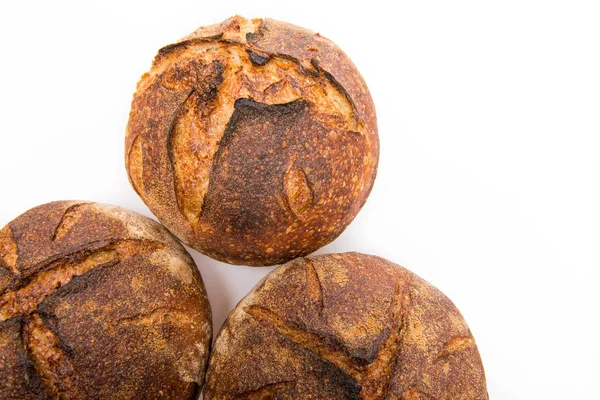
(345, 326)
(99, 302)
(253, 141)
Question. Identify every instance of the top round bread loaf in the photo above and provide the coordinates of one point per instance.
(253, 141)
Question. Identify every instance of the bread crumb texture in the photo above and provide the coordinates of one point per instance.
(253, 141)
(99, 302)
(380, 332)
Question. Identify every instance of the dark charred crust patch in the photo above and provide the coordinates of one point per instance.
(257, 58)
(308, 67)
(210, 78)
(254, 37)
(166, 50)
(315, 63)
(348, 386)
(51, 321)
(248, 113)
(249, 106)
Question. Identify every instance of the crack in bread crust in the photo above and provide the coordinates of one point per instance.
(32, 290)
(8, 251)
(327, 348)
(158, 316)
(68, 220)
(456, 344)
(298, 194)
(374, 377)
(377, 378)
(314, 286)
(177, 183)
(51, 361)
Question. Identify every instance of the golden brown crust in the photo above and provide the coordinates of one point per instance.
(345, 326)
(254, 141)
(99, 302)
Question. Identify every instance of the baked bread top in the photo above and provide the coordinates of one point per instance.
(345, 326)
(253, 141)
(99, 302)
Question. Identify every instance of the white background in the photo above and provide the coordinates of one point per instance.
(488, 184)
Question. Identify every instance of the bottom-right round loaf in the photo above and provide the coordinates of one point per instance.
(345, 326)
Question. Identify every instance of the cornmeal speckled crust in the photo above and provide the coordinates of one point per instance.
(345, 326)
(253, 141)
(99, 302)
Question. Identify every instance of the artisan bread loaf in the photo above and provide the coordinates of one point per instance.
(345, 326)
(253, 141)
(99, 302)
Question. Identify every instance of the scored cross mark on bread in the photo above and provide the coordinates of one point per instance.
(456, 344)
(373, 376)
(50, 360)
(315, 289)
(297, 192)
(68, 220)
(326, 348)
(30, 290)
(159, 316)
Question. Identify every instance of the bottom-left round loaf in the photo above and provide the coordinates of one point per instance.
(99, 302)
